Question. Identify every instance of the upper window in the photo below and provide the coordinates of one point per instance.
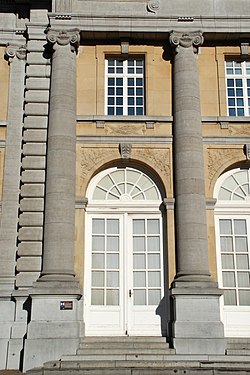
(238, 88)
(124, 86)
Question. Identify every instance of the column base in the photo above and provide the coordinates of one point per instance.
(55, 328)
(195, 325)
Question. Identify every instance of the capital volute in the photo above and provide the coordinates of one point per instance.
(13, 51)
(64, 37)
(186, 40)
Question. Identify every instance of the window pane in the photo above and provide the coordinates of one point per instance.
(112, 297)
(241, 244)
(112, 226)
(154, 296)
(112, 243)
(243, 279)
(139, 261)
(98, 278)
(153, 226)
(230, 297)
(139, 297)
(98, 226)
(139, 243)
(242, 261)
(240, 227)
(154, 261)
(98, 243)
(97, 297)
(154, 278)
(227, 261)
(112, 279)
(98, 261)
(225, 227)
(139, 226)
(112, 261)
(139, 279)
(244, 297)
(226, 243)
(153, 244)
(228, 279)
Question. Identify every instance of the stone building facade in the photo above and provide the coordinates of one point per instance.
(124, 172)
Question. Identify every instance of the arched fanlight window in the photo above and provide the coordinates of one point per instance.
(125, 184)
(236, 186)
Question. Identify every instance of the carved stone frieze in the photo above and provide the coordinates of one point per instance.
(91, 158)
(124, 129)
(219, 159)
(64, 37)
(239, 130)
(186, 40)
(13, 51)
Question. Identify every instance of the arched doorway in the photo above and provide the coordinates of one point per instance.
(232, 225)
(123, 254)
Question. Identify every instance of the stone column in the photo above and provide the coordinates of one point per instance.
(59, 226)
(16, 55)
(191, 229)
(196, 327)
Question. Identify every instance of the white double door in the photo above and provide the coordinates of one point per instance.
(123, 274)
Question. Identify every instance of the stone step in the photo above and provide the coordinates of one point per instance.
(172, 367)
(238, 352)
(118, 357)
(123, 339)
(125, 351)
(124, 345)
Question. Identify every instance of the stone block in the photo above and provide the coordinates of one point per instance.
(34, 149)
(14, 350)
(37, 58)
(35, 135)
(3, 352)
(30, 234)
(30, 264)
(42, 71)
(31, 219)
(36, 46)
(34, 162)
(37, 96)
(41, 350)
(33, 176)
(31, 204)
(32, 190)
(29, 248)
(37, 109)
(37, 84)
(47, 329)
(26, 279)
(36, 122)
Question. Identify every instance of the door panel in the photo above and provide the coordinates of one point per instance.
(124, 279)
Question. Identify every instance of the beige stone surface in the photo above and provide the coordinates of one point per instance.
(2, 153)
(209, 94)
(4, 84)
(91, 79)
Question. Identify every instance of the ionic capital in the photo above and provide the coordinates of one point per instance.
(13, 51)
(186, 40)
(64, 37)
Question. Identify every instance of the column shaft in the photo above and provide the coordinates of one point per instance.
(61, 158)
(191, 229)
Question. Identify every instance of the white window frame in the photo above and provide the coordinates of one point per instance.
(233, 73)
(235, 317)
(124, 76)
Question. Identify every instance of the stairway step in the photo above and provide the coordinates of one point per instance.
(123, 351)
(123, 339)
(238, 352)
(123, 345)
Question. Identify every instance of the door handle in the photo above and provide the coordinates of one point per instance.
(130, 293)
